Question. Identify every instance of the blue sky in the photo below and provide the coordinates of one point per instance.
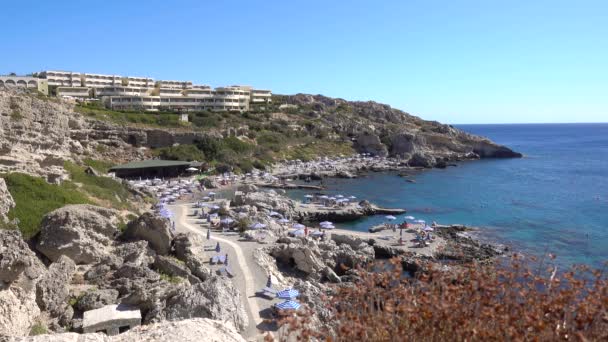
(451, 61)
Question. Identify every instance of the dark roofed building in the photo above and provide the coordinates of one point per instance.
(151, 169)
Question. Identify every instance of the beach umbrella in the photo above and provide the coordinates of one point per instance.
(191, 169)
(428, 229)
(352, 197)
(283, 220)
(317, 233)
(324, 197)
(242, 215)
(211, 193)
(226, 220)
(215, 207)
(208, 234)
(390, 217)
(325, 223)
(409, 217)
(288, 294)
(327, 226)
(309, 196)
(298, 226)
(339, 196)
(274, 213)
(217, 248)
(288, 305)
(297, 232)
(257, 225)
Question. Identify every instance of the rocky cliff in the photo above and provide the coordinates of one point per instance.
(381, 130)
(37, 134)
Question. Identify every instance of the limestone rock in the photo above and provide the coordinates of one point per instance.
(216, 298)
(16, 257)
(152, 228)
(175, 268)
(422, 160)
(188, 330)
(52, 290)
(97, 299)
(82, 232)
(370, 143)
(138, 253)
(6, 200)
(189, 249)
(18, 311)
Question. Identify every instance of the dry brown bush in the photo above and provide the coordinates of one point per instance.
(516, 302)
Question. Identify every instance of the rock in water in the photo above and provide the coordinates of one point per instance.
(52, 289)
(6, 201)
(82, 232)
(16, 257)
(216, 298)
(152, 228)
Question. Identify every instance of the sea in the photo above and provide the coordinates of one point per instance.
(554, 200)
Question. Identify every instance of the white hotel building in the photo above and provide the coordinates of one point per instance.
(142, 93)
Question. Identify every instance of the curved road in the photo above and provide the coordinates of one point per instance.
(244, 278)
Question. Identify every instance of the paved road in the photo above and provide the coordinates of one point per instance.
(248, 278)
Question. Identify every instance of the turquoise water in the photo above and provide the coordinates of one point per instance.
(553, 200)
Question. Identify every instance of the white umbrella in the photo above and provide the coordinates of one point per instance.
(257, 225)
(325, 223)
(390, 217)
(191, 169)
(298, 226)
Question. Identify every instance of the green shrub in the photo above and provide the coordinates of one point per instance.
(103, 188)
(210, 146)
(180, 152)
(34, 198)
(237, 145)
(38, 329)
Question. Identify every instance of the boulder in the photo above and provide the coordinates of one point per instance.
(138, 253)
(97, 299)
(52, 289)
(84, 233)
(152, 228)
(248, 188)
(216, 298)
(188, 248)
(16, 257)
(18, 311)
(175, 268)
(351, 240)
(422, 160)
(6, 201)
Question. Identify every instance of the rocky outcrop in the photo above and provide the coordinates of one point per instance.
(17, 258)
(175, 268)
(52, 290)
(315, 260)
(152, 228)
(18, 311)
(216, 298)
(188, 330)
(6, 201)
(370, 143)
(189, 249)
(97, 299)
(84, 233)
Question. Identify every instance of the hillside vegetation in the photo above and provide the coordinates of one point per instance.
(34, 197)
